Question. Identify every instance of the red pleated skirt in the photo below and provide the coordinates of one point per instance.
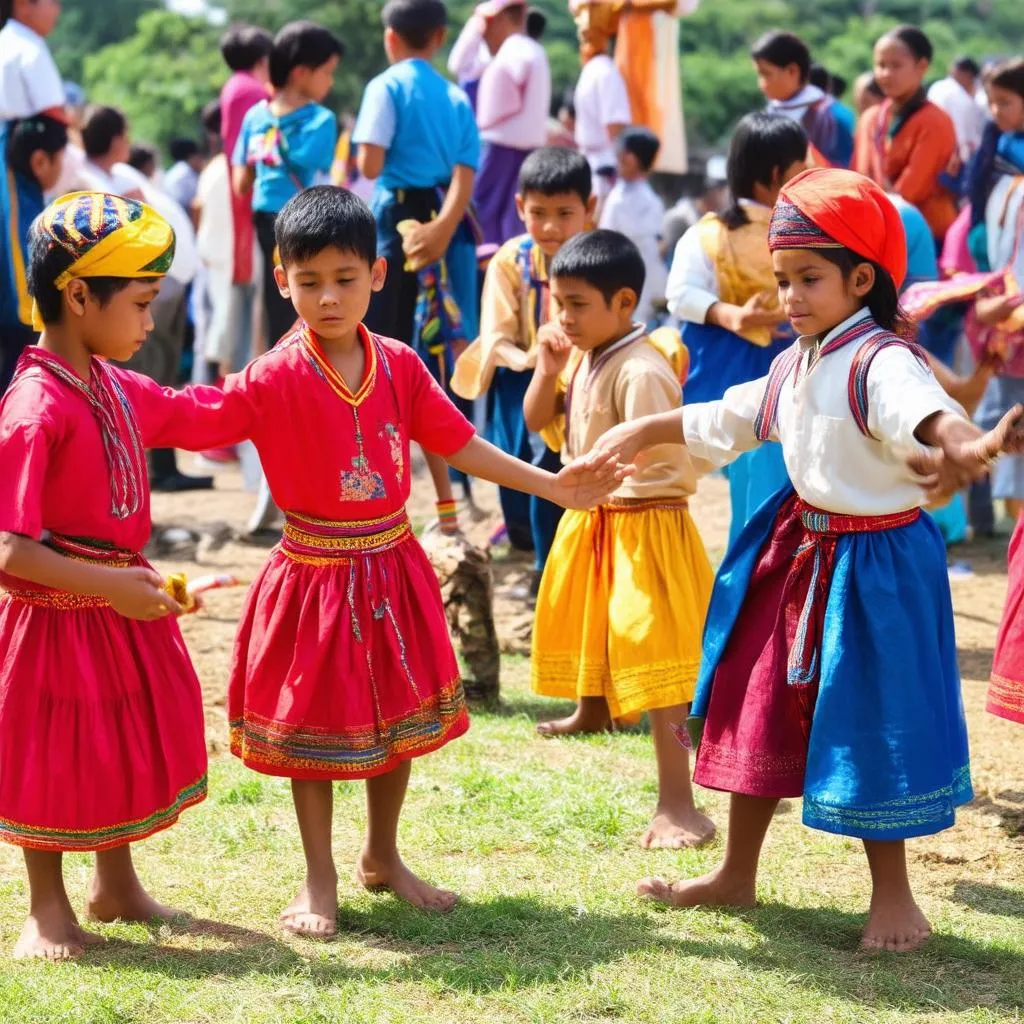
(1006, 685)
(102, 738)
(343, 667)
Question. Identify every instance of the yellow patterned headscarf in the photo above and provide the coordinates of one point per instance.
(106, 236)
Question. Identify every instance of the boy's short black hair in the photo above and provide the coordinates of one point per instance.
(415, 21)
(642, 143)
(783, 49)
(606, 260)
(143, 158)
(555, 170)
(46, 262)
(536, 23)
(321, 217)
(301, 44)
(837, 86)
(244, 46)
(210, 117)
(968, 65)
(183, 149)
(100, 126)
(1009, 75)
(819, 76)
(28, 135)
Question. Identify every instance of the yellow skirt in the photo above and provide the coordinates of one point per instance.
(621, 608)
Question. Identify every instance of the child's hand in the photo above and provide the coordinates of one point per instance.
(553, 350)
(624, 443)
(761, 310)
(138, 593)
(424, 244)
(588, 481)
(993, 310)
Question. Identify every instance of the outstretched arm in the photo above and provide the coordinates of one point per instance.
(583, 484)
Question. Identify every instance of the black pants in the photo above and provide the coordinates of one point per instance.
(14, 339)
(279, 311)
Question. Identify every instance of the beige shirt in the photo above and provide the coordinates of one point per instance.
(630, 380)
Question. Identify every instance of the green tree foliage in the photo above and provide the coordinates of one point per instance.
(160, 77)
(161, 67)
(86, 26)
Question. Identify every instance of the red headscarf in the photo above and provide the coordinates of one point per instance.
(825, 208)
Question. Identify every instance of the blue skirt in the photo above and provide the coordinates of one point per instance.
(884, 755)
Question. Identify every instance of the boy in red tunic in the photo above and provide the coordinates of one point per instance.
(343, 668)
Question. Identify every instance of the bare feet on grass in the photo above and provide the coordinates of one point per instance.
(591, 716)
(898, 927)
(53, 934)
(680, 828)
(314, 911)
(715, 889)
(394, 877)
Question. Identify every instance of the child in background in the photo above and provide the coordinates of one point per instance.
(601, 100)
(286, 142)
(31, 157)
(102, 741)
(342, 666)
(622, 602)
(783, 65)
(722, 287)
(30, 83)
(845, 119)
(418, 140)
(836, 590)
(555, 203)
(634, 209)
(906, 142)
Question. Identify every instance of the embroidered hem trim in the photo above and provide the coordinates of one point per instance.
(1005, 698)
(277, 748)
(94, 840)
(907, 816)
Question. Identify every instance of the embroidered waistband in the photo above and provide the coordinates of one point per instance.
(321, 541)
(617, 505)
(817, 521)
(59, 599)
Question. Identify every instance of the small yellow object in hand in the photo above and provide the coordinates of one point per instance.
(177, 587)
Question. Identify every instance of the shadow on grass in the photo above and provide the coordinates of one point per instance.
(517, 943)
(990, 899)
(518, 703)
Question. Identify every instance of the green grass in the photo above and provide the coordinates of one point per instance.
(541, 839)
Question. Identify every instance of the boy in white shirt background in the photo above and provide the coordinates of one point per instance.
(29, 80)
(634, 209)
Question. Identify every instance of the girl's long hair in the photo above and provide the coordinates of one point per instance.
(763, 146)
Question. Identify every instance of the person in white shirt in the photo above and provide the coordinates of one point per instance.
(513, 100)
(601, 99)
(955, 95)
(29, 80)
(830, 663)
(634, 209)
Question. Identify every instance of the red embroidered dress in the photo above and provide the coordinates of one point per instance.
(342, 665)
(102, 738)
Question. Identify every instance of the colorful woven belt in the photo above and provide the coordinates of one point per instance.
(322, 542)
(816, 521)
(81, 549)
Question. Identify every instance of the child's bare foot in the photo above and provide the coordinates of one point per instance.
(53, 935)
(678, 829)
(314, 912)
(895, 926)
(715, 889)
(591, 716)
(130, 904)
(395, 877)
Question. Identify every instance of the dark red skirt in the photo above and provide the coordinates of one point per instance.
(1006, 686)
